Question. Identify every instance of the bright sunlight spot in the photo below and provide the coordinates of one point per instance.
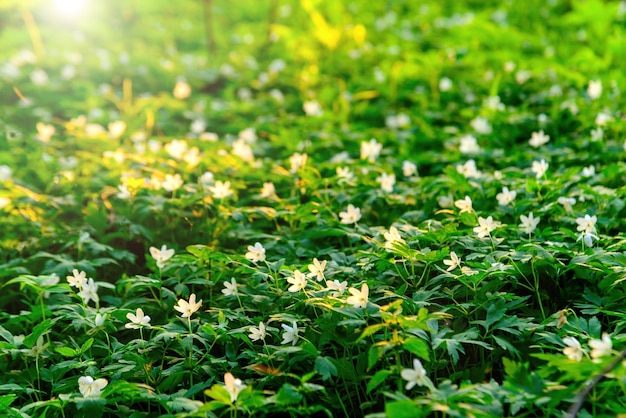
(69, 8)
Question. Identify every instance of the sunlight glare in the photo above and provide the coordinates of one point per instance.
(69, 8)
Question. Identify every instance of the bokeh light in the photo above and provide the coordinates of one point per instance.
(69, 8)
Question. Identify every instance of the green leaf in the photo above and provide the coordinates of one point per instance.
(377, 379)
(418, 347)
(310, 349)
(67, 352)
(184, 404)
(6, 401)
(86, 345)
(219, 393)
(288, 395)
(325, 367)
(38, 331)
(404, 409)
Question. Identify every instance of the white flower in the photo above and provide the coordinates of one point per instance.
(603, 118)
(268, 191)
(176, 148)
(594, 90)
(137, 320)
(566, 202)
(312, 108)
(539, 168)
(453, 263)
(370, 150)
(445, 84)
(485, 226)
(529, 223)
(587, 238)
(317, 269)
(345, 175)
(257, 333)
(414, 376)
(397, 121)
(469, 145)
(5, 172)
(89, 291)
(233, 386)
(206, 179)
(91, 388)
(172, 182)
(392, 237)
(230, 288)
(117, 128)
(597, 134)
(243, 150)
(188, 308)
(481, 125)
(255, 253)
(297, 161)
(387, 182)
(506, 196)
(464, 204)
(337, 288)
(538, 139)
(445, 202)
(44, 132)
(221, 189)
(588, 171)
(601, 348)
(99, 321)
(468, 170)
(297, 281)
(162, 255)
(77, 279)
(586, 225)
(359, 298)
(291, 333)
(408, 169)
(182, 90)
(573, 351)
(351, 215)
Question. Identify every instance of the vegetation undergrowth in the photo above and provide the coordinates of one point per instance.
(307, 208)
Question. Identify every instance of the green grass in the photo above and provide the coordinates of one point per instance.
(333, 220)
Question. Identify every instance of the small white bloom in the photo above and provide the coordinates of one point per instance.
(539, 168)
(91, 388)
(137, 320)
(312, 108)
(468, 145)
(291, 333)
(233, 386)
(587, 224)
(182, 90)
(506, 196)
(393, 237)
(221, 189)
(414, 376)
(485, 226)
(89, 291)
(601, 348)
(409, 169)
(188, 308)
(172, 182)
(230, 288)
(370, 150)
(162, 255)
(297, 281)
(387, 182)
(566, 202)
(588, 171)
(100, 318)
(529, 223)
(538, 139)
(344, 175)
(336, 287)
(481, 126)
(317, 269)
(257, 333)
(351, 215)
(573, 351)
(359, 298)
(77, 279)
(454, 261)
(297, 161)
(445, 84)
(594, 90)
(256, 253)
(268, 191)
(468, 169)
(464, 204)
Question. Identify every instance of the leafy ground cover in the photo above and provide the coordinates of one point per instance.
(306, 208)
